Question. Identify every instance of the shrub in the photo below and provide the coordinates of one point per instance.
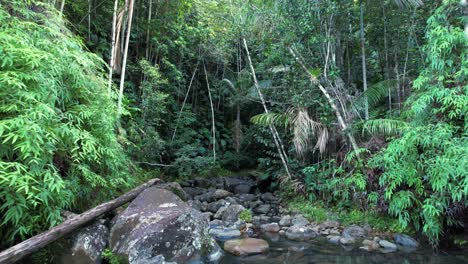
(58, 149)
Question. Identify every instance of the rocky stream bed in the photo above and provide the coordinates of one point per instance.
(203, 221)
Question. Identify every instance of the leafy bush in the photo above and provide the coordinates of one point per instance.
(425, 169)
(58, 149)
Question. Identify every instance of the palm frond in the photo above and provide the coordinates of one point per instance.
(268, 119)
(409, 3)
(305, 128)
(374, 94)
(387, 127)
(229, 83)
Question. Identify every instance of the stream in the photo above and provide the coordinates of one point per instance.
(319, 250)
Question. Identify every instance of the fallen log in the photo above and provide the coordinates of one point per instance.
(17, 252)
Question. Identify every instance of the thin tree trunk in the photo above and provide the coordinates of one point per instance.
(89, 20)
(183, 103)
(464, 5)
(387, 67)
(21, 250)
(112, 58)
(274, 132)
(397, 74)
(315, 81)
(213, 129)
(62, 6)
(407, 55)
(124, 63)
(148, 30)
(364, 68)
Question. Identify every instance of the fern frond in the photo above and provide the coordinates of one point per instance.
(268, 119)
(374, 94)
(387, 127)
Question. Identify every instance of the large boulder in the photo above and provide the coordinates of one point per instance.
(240, 184)
(159, 223)
(86, 245)
(246, 246)
(405, 241)
(300, 233)
(175, 188)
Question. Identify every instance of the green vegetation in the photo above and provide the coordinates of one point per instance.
(246, 216)
(354, 110)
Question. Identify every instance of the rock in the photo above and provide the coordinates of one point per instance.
(300, 233)
(347, 240)
(282, 232)
(334, 239)
(268, 197)
(86, 245)
(299, 220)
(232, 212)
(260, 220)
(335, 232)
(262, 209)
(202, 183)
(387, 245)
(220, 194)
(232, 200)
(254, 204)
(216, 223)
(247, 197)
(285, 220)
(175, 188)
(193, 191)
(405, 241)
(246, 246)
(207, 216)
(158, 222)
(220, 212)
(354, 231)
(272, 227)
(196, 204)
(330, 224)
(242, 188)
(214, 206)
(372, 245)
(224, 233)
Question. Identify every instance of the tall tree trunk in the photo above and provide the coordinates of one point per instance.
(464, 5)
(213, 128)
(237, 133)
(124, 63)
(387, 67)
(363, 50)
(148, 30)
(315, 81)
(112, 58)
(274, 132)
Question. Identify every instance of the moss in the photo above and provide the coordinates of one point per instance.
(109, 257)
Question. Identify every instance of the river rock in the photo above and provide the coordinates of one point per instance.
(285, 220)
(232, 212)
(268, 197)
(259, 220)
(354, 231)
(196, 204)
(247, 197)
(405, 241)
(158, 222)
(334, 239)
(347, 240)
(202, 183)
(220, 212)
(86, 245)
(272, 227)
(193, 191)
(262, 209)
(246, 246)
(370, 244)
(299, 220)
(220, 194)
(214, 206)
(300, 233)
(387, 245)
(224, 233)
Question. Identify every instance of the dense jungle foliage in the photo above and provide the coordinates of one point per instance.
(358, 105)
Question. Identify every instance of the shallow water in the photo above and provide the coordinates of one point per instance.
(321, 251)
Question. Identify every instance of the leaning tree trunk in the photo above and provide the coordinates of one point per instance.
(315, 81)
(19, 251)
(363, 57)
(112, 58)
(124, 63)
(213, 128)
(274, 132)
(62, 6)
